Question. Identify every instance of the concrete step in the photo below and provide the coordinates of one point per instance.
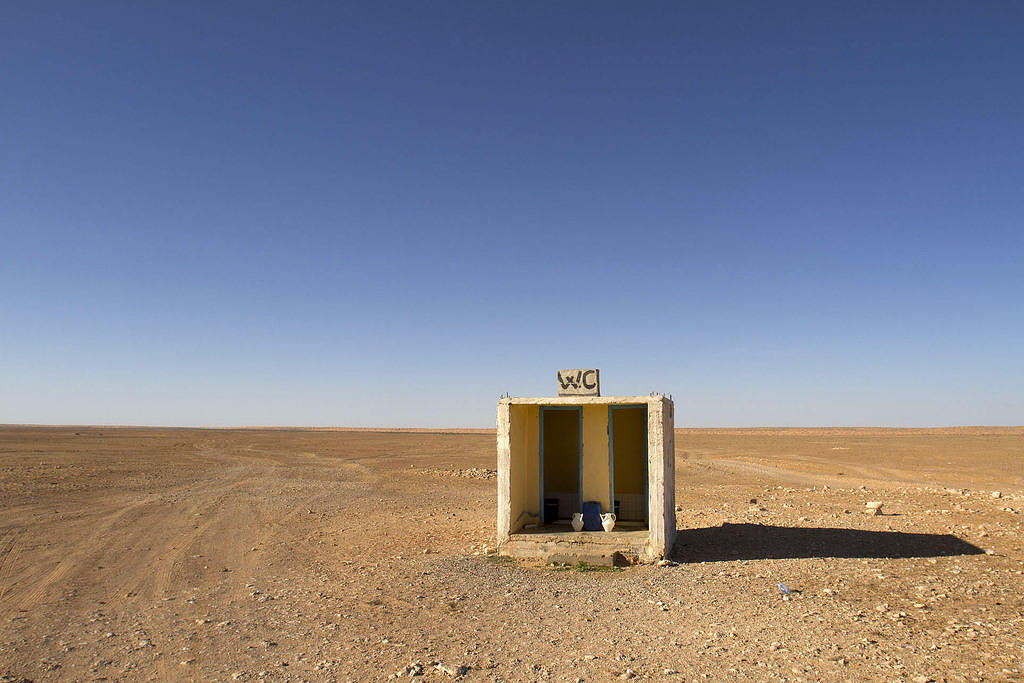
(596, 548)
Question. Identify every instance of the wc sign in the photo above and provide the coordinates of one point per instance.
(579, 383)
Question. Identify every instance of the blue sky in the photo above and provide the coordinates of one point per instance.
(391, 213)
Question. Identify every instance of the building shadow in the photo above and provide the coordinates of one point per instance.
(731, 542)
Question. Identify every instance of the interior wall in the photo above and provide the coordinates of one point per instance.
(629, 435)
(561, 451)
(596, 474)
(525, 466)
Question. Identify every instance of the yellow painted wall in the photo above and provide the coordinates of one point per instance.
(629, 431)
(561, 451)
(595, 455)
(524, 437)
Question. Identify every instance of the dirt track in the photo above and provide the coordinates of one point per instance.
(316, 556)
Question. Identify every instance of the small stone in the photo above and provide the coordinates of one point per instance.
(997, 494)
(453, 671)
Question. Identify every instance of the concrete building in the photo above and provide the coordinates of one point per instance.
(566, 455)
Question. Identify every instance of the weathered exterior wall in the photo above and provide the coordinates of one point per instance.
(503, 425)
(596, 481)
(656, 478)
(668, 428)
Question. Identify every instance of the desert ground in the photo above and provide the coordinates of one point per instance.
(303, 555)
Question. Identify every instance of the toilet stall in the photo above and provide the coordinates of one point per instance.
(587, 454)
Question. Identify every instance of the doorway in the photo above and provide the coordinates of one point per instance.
(627, 450)
(561, 451)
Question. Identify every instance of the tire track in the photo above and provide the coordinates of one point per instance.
(87, 546)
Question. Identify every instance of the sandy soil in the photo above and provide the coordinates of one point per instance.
(146, 554)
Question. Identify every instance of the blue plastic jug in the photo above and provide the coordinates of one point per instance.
(592, 515)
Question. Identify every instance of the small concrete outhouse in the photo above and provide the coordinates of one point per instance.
(560, 456)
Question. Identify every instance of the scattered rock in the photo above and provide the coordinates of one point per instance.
(411, 670)
(471, 473)
(453, 671)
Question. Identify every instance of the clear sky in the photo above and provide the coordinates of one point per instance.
(390, 213)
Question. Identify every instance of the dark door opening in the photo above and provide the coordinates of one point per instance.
(627, 431)
(560, 456)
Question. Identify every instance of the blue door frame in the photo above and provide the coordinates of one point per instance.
(579, 453)
(611, 458)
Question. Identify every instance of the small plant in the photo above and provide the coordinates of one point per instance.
(587, 567)
(582, 567)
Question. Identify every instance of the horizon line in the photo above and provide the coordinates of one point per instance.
(312, 428)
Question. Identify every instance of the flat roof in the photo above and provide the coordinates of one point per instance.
(580, 400)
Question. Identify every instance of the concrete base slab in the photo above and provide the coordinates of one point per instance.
(570, 547)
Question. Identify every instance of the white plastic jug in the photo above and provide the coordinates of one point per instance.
(577, 521)
(608, 521)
